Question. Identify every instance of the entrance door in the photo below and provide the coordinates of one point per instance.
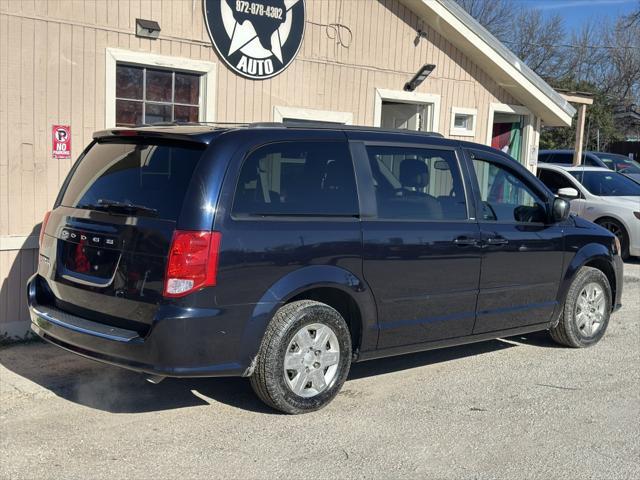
(421, 250)
(523, 252)
(405, 116)
(508, 134)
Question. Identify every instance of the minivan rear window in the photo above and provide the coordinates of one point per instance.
(151, 176)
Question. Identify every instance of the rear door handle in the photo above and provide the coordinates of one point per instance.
(497, 241)
(465, 241)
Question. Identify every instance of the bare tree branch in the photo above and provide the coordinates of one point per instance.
(495, 15)
(633, 19)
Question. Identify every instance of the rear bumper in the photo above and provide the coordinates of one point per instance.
(181, 342)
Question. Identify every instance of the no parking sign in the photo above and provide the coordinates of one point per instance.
(61, 138)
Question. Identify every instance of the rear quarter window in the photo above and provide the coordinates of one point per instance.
(152, 175)
(297, 178)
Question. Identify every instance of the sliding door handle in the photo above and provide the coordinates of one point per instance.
(497, 241)
(466, 241)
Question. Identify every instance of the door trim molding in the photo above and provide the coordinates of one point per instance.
(407, 97)
(528, 130)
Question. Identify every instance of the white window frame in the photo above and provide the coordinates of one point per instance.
(431, 99)
(280, 113)
(207, 70)
(529, 137)
(463, 132)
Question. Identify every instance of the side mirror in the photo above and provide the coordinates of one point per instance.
(568, 192)
(561, 209)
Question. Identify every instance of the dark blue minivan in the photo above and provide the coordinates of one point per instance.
(284, 252)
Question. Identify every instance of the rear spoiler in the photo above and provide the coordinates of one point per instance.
(199, 137)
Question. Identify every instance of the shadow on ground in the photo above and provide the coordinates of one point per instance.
(115, 390)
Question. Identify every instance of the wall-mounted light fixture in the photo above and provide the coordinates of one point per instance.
(419, 77)
(147, 28)
(420, 34)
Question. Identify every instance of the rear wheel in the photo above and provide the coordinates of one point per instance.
(586, 312)
(304, 358)
(619, 231)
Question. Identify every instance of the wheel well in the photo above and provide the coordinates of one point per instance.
(343, 303)
(601, 219)
(606, 268)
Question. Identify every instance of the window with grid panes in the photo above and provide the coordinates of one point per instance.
(150, 95)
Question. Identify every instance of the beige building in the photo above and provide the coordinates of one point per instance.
(81, 63)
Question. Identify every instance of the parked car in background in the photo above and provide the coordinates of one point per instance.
(285, 253)
(604, 197)
(612, 161)
(622, 164)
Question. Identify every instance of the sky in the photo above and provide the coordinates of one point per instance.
(577, 12)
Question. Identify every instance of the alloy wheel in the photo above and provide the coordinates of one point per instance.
(590, 309)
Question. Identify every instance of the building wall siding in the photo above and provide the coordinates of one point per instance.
(52, 71)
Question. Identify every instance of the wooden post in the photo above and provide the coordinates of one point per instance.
(577, 154)
(582, 100)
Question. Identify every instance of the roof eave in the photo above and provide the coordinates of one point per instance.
(455, 24)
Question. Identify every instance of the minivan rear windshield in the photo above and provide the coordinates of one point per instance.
(139, 177)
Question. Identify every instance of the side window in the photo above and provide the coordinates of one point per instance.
(505, 198)
(297, 178)
(417, 183)
(554, 180)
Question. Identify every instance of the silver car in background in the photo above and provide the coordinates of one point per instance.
(602, 196)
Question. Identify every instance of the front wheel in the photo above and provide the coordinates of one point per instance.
(586, 312)
(304, 358)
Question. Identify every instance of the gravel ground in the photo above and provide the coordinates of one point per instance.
(514, 408)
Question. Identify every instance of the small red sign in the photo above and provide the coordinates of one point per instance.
(61, 141)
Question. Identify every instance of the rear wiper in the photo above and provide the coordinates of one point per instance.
(119, 207)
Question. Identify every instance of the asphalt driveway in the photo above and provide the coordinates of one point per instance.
(515, 408)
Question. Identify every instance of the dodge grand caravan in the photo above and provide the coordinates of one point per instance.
(284, 253)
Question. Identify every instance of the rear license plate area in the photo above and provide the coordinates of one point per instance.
(89, 254)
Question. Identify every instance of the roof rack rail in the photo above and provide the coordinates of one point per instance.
(181, 123)
(338, 126)
(290, 124)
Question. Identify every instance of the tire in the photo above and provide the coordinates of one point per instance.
(579, 325)
(290, 337)
(619, 231)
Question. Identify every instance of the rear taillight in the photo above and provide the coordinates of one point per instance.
(43, 227)
(193, 262)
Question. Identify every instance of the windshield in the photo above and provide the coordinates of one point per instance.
(136, 178)
(607, 184)
(621, 164)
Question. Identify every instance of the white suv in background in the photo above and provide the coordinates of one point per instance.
(607, 198)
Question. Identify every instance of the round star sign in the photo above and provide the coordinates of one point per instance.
(258, 39)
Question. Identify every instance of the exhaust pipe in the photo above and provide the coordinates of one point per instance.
(155, 379)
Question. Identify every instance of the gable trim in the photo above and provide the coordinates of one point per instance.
(455, 24)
